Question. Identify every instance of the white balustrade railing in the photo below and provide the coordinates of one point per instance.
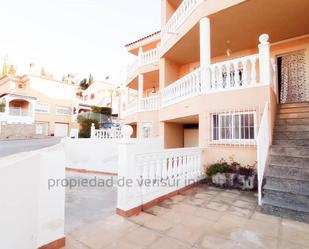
(149, 103)
(144, 58)
(263, 142)
(150, 56)
(184, 88)
(183, 11)
(131, 108)
(15, 111)
(106, 133)
(240, 72)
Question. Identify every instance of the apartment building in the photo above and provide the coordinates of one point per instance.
(221, 76)
(37, 106)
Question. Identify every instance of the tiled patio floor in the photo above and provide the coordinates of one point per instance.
(202, 217)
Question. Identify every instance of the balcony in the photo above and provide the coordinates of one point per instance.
(146, 104)
(143, 59)
(20, 112)
(178, 18)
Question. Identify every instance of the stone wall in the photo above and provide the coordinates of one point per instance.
(17, 131)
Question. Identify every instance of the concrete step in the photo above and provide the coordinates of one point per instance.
(294, 110)
(291, 134)
(287, 172)
(284, 211)
(287, 185)
(291, 105)
(298, 201)
(287, 127)
(291, 142)
(297, 151)
(298, 121)
(293, 115)
(299, 162)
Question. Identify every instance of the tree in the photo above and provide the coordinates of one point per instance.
(85, 126)
(84, 84)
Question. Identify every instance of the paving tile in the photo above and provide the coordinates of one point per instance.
(71, 243)
(289, 245)
(214, 242)
(141, 218)
(242, 212)
(208, 214)
(243, 204)
(185, 233)
(123, 244)
(184, 208)
(194, 201)
(142, 237)
(292, 231)
(217, 206)
(203, 195)
(265, 218)
(169, 243)
(263, 228)
(157, 210)
(159, 224)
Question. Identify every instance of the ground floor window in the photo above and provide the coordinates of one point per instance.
(146, 126)
(233, 126)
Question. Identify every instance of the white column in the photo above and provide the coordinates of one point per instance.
(140, 86)
(7, 105)
(128, 193)
(264, 57)
(128, 95)
(140, 52)
(205, 53)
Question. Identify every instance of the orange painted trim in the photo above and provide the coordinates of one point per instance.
(137, 210)
(91, 172)
(57, 244)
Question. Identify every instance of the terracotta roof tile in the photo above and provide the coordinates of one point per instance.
(144, 38)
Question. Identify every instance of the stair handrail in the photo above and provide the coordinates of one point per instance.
(263, 142)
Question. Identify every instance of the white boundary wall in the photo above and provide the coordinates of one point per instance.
(101, 155)
(31, 215)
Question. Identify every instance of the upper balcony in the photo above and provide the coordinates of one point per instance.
(146, 52)
(143, 59)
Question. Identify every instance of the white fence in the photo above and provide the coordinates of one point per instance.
(184, 88)
(31, 214)
(183, 11)
(154, 174)
(105, 133)
(263, 142)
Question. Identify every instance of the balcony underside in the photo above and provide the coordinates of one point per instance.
(151, 79)
(241, 26)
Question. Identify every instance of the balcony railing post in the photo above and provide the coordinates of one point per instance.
(264, 59)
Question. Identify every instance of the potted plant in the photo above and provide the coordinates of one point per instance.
(246, 177)
(232, 173)
(217, 172)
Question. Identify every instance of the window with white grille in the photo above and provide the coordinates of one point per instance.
(233, 126)
(62, 110)
(41, 108)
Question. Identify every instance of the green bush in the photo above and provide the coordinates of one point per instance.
(85, 126)
(2, 107)
(219, 167)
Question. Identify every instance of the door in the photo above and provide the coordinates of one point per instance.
(61, 130)
(41, 128)
(292, 77)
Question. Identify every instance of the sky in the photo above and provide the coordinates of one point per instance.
(75, 36)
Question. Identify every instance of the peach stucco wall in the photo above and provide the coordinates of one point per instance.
(173, 135)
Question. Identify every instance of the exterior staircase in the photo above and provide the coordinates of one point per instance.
(286, 190)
